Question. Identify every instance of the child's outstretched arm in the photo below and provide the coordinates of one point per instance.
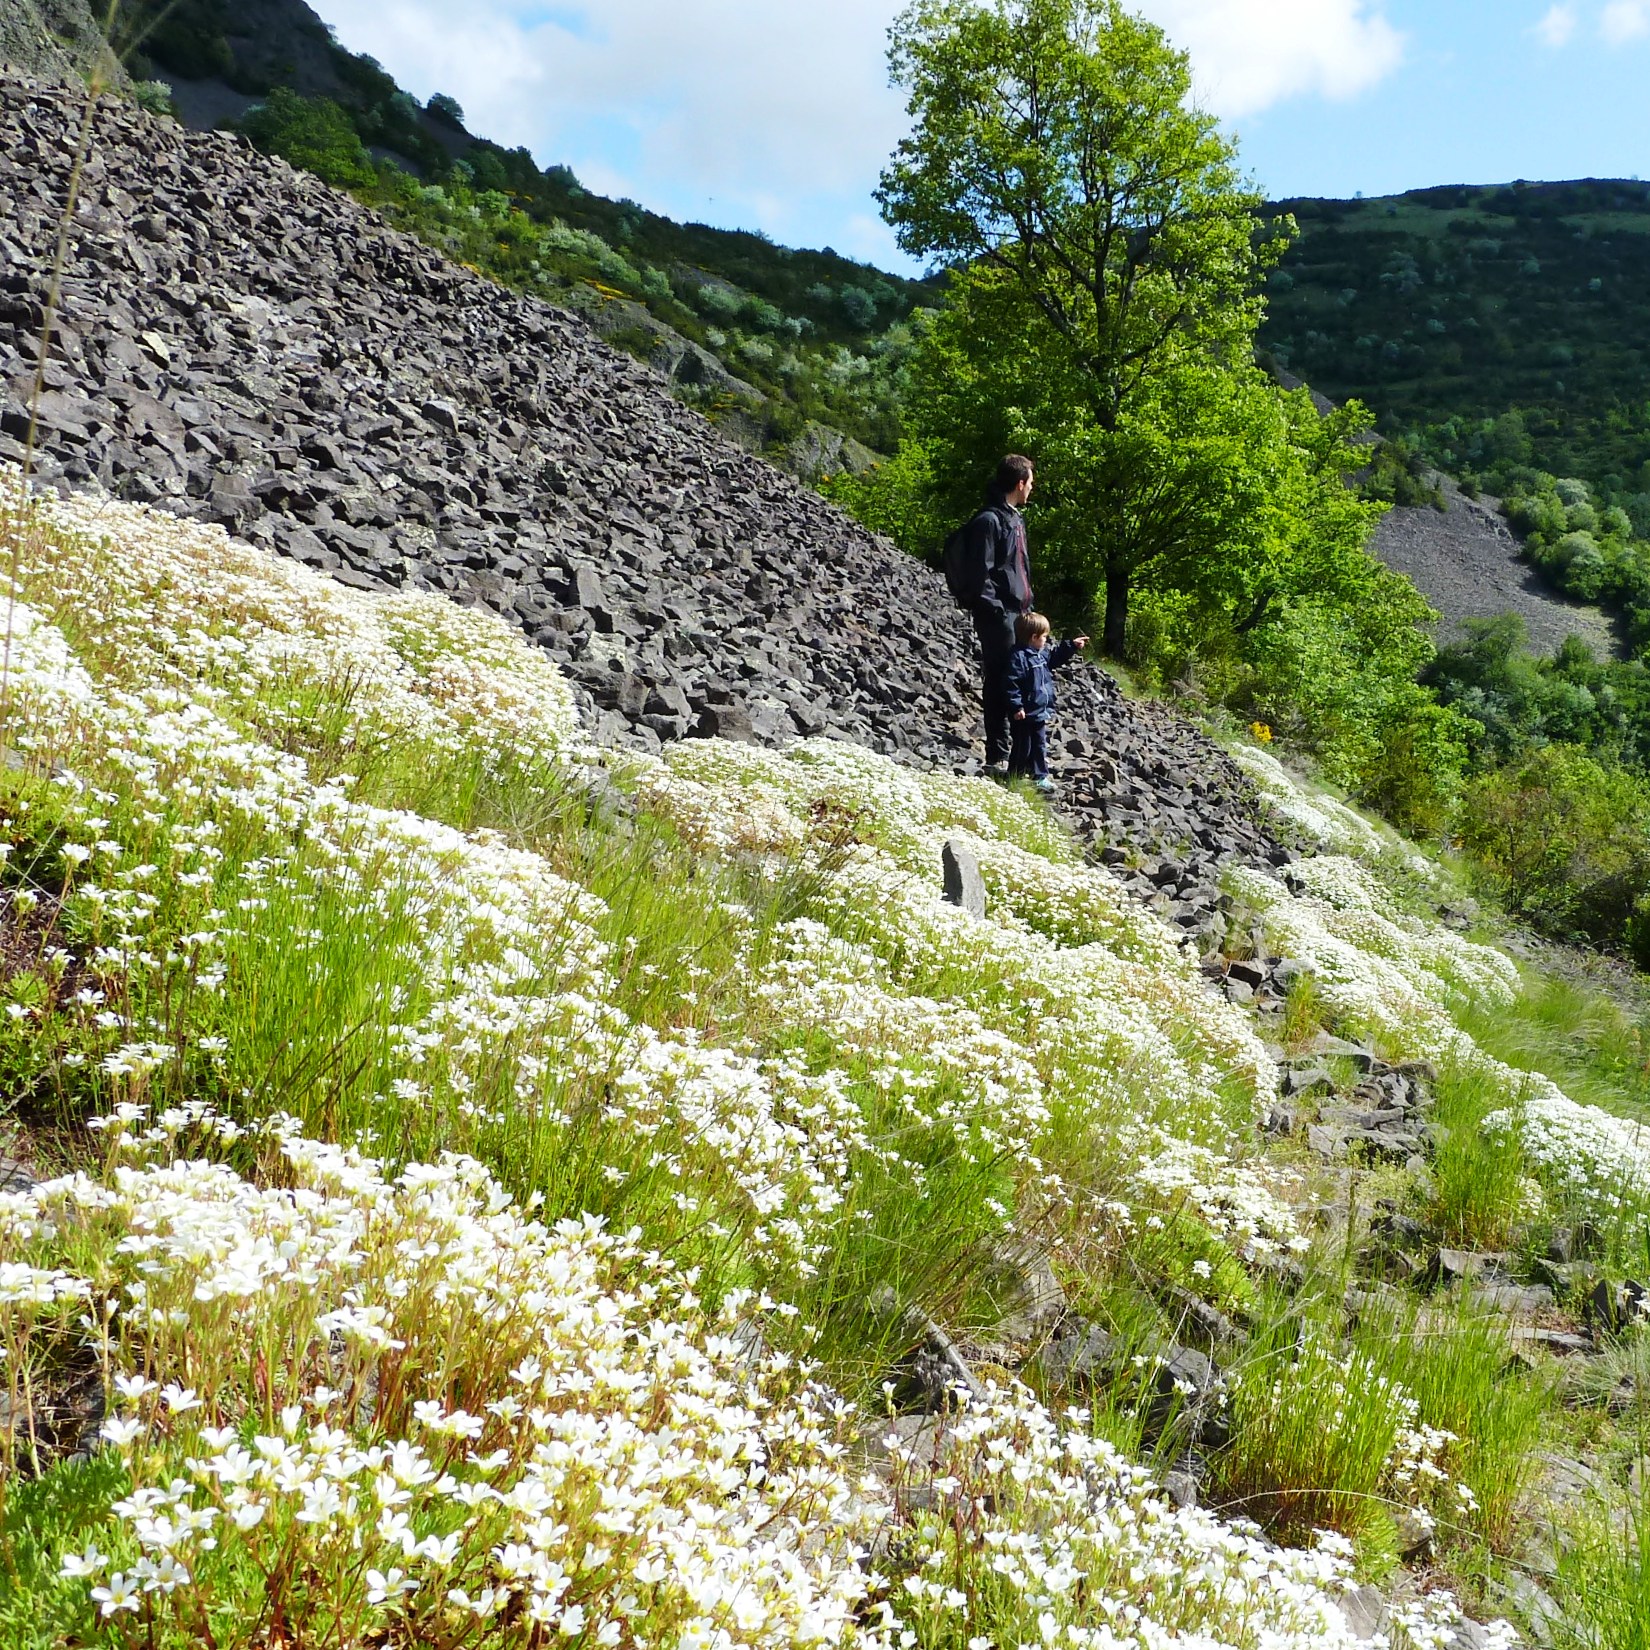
(1064, 652)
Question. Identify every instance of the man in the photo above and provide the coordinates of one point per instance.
(996, 542)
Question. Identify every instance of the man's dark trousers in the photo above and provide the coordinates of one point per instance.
(1029, 757)
(995, 628)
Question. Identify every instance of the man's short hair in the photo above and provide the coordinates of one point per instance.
(1012, 471)
(1030, 625)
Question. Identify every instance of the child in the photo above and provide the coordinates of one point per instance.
(1031, 669)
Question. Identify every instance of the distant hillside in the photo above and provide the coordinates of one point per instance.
(796, 353)
(1505, 327)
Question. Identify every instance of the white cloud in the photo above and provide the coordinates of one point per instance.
(1625, 20)
(777, 113)
(1249, 54)
(1557, 26)
(738, 109)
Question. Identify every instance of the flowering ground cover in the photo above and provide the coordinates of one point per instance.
(484, 1174)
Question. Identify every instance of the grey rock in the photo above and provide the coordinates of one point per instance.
(964, 886)
(1454, 1265)
(1516, 1302)
(1181, 1489)
(1084, 1355)
(1367, 1612)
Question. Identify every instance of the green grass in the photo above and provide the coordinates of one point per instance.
(1476, 1176)
(42, 1518)
(1593, 1047)
(1602, 1585)
(1458, 1366)
(1312, 1435)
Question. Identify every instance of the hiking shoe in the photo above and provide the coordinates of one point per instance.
(1045, 784)
(996, 770)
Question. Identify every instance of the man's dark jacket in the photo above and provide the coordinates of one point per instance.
(997, 552)
(1031, 677)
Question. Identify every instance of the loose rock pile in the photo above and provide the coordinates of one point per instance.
(240, 344)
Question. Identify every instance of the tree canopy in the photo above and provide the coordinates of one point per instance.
(1100, 232)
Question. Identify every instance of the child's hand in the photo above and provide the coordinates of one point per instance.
(1019, 716)
(1079, 641)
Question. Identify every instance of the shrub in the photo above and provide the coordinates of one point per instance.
(1564, 838)
(445, 109)
(155, 96)
(311, 132)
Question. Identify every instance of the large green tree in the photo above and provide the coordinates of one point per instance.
(1099, 227)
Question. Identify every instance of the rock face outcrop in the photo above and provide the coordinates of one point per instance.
(57, 40)
(237, 343)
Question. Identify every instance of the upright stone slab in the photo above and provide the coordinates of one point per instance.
(964, 886)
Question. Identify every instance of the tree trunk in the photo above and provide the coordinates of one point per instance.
(1117, 611)
(1263, 606)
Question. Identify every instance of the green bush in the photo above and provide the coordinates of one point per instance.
(311, 132)
(1564, 837)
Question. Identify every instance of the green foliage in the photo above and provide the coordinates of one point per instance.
(1500, 327)
(1565, 839)
(311, 132)
(155, 96)
(1518, 702)
(898, 497)
(1105, 250)
(186, 37)
(1475, 1198)
(41, 1520)
(446, 110)
(1587, 549)
(1398, 474)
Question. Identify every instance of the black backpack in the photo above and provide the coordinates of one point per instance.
(963, 568)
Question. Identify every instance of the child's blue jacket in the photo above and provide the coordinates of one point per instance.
(1031, 676)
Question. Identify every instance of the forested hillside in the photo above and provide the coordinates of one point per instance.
(1504, 329)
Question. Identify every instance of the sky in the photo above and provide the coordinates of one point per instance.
(777, 115)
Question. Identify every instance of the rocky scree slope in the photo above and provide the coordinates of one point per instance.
(1466, 561)
(242, 345)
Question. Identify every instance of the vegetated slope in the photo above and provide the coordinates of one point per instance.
(245, 346)
(1469, 565)
(327, 905)
(389, 1397)
(1450, 306)
(769, 340)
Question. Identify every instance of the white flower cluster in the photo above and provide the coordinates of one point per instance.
(1068, 964)
(152, 601)
(1316, 814)
(1240, 1202)
(1401, 976)
(403, 1404)
(1080, 1551)
(409, 1402)
(1594, 1161)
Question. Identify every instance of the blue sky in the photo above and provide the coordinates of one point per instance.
(776, 114)
(1486, 91)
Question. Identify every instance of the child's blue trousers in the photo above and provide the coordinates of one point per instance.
(1029, 757)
